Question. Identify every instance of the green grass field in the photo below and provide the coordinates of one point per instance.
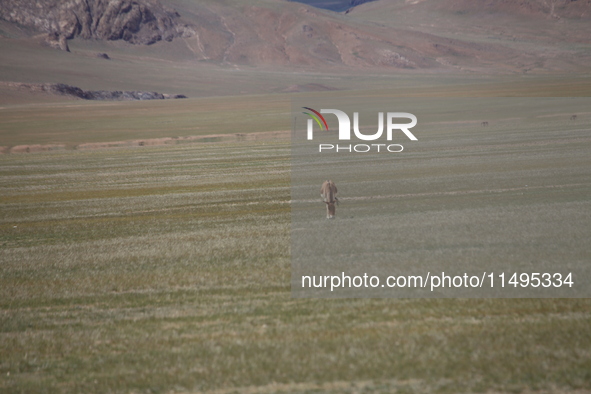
(167, 269)
(511, 197)
(79, 122)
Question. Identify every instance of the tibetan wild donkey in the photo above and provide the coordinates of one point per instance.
(328, 192)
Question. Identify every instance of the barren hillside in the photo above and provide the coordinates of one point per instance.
(201, 41)
(281, 33)
(548, 35)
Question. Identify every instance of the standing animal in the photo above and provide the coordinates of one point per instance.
(328, 192)
(484, 124)
(574, 117)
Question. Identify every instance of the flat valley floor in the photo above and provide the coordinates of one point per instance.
(166, 268)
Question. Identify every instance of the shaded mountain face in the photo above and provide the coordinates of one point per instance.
(135, 21)
(333, 5)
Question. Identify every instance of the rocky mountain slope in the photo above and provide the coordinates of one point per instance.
(135, 21)
(295, 35)
(451, 35)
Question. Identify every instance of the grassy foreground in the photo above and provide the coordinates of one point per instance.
(166, 269)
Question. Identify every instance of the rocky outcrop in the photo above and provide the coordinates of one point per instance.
(135, 21)
(111, 95)
(57, 41)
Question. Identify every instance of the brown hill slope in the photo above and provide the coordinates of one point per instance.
(263, 32)
(484, 36)
(407, 11)
(549, 35)
(572, 9)
(280, 33)
(295, 35)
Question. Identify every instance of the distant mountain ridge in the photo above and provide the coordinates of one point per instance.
(333, 5)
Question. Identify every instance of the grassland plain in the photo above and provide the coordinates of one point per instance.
(166, 269)
(509, 197)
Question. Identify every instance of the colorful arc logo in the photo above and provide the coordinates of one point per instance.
(317, 117)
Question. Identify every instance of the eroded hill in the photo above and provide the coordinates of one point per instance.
(385, 36)
(135, 21)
